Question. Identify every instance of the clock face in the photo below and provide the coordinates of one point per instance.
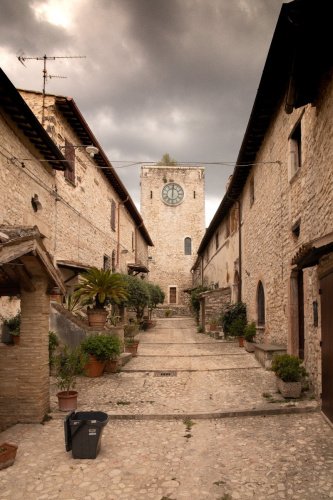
(172, 194)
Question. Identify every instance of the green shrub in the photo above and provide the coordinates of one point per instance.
(103, 347)
(69, 363)
(288, 367)
(237, 327)
(233, 312)
(250, 331)
(195, 301)
(14, 324)
(53, 344)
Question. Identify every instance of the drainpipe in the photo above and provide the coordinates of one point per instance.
(118, 229)
(239, 250)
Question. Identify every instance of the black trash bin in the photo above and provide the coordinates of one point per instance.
(83, 432)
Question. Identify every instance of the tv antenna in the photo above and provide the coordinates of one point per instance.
(45, 58)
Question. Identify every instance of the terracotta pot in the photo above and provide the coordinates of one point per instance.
(94, 367)
(97, 317)
(15, 339)
(111, 366)
(241, 341)
(67, 400)
(7, 454)
(132, 348)
(213, 327)
(289, 389)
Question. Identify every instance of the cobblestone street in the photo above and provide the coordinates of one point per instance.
(167, 438)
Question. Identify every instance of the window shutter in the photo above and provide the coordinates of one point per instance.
(70, 157)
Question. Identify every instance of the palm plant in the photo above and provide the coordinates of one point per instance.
(101, 285)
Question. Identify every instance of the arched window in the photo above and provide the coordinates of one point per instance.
(188, 246)
(261, 304)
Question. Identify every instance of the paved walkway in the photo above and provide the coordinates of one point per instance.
(164, 440)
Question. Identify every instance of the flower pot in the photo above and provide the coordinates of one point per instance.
(97, 317)
(249, 346)
(67, 400)
(111, 366)
(94, 367)
(241, 341)
(7, 454)
(289, 389)
(213, 327)
(132, 348)
(15, 339)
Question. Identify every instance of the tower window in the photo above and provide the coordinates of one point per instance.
(173, 295)
(193, 194)
(188, 246)
(151, 195)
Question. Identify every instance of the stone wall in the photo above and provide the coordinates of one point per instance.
(170, 225)
(82, 212)
(212, 304)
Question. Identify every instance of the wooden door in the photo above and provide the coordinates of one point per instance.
(326, 289)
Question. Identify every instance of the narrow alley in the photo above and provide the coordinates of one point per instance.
(167, 438)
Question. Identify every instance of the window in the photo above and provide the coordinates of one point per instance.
(188, 246)
(194, 194)
(217, 241)
(261, 304)
(173, 295)
(234, 215)
(151, 195)
(296, 229)
(113, 261)
(113, 215)
(295, 150)
(70, 157)
(251, 191)
(106, 262)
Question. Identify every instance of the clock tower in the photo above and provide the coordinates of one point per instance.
(173, 208)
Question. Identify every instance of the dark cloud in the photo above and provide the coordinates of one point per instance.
(175, 76)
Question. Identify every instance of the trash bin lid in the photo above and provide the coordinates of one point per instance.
(91, 417)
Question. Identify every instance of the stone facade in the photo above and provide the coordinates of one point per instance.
(285, 193)
(169, 226)
(82, 230)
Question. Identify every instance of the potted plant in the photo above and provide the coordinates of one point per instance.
(14, 324)
(249, 334)
(111, 365)
(101, 285)
(68, 363)
(131, 345)
(289, 372)
(7, 454)
(131, 329)
(237, 329)
(213, 324)
(99, 348)
(234, 321)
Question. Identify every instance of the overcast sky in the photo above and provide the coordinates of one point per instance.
(176, 76)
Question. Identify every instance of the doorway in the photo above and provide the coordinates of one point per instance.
(326, 291)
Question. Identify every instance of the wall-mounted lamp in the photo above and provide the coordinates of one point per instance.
(36, 204)
(90, 149)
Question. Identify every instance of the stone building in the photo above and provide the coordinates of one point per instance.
(283, 186)
(172, 204)
(95, 220)
(26, 268)
(62, 211)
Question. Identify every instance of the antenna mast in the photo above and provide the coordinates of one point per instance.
(45, 58)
